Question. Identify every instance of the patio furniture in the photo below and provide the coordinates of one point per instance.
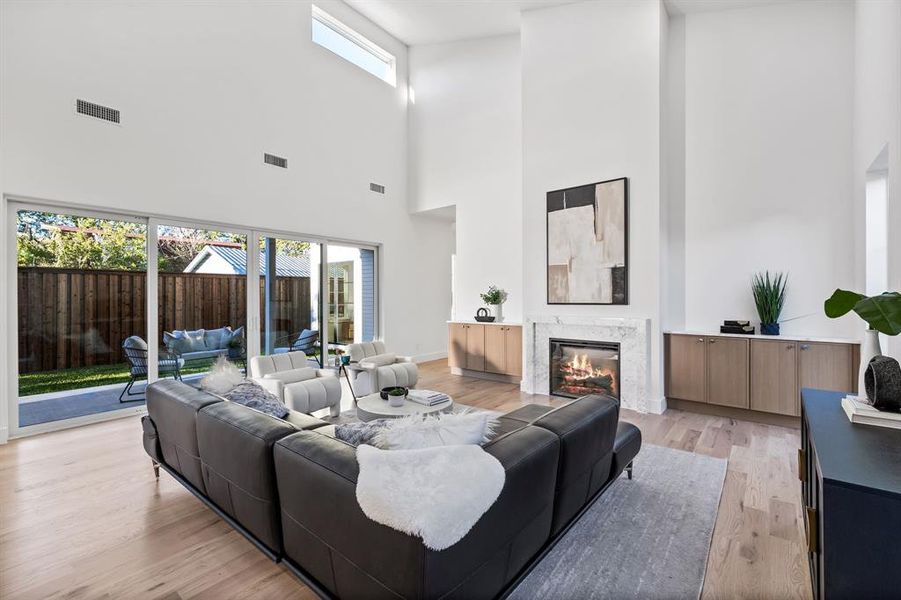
(307, 341)
(135, 349)
(299, 386)
(201, 344)
(374, 368)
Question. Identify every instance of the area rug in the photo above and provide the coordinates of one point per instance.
(644, 538)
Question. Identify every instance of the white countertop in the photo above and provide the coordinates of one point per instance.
(757, 336)
(474, 322)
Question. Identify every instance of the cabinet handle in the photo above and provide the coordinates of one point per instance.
(790, 346)
(810, 525)
(712, 341)
(802, 465)
(700, 340)
(805, 346)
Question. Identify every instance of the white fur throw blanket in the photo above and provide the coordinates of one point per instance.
(436, 493)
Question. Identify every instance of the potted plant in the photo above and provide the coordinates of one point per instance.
(769, 297)
(882, 314)
(495, 298)
(397, 396)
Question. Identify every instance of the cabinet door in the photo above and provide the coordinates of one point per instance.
(475, 347)
(825, 366)
(495, 349)
(456, 345)
(774, 377)
(727, 371)
(686, 368)
(513, 340)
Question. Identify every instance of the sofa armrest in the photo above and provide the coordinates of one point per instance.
(406, 359)
(317, 477)
(326, 373)
(274, 386)
(363, 366)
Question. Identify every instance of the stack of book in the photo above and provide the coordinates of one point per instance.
(863, 413)
(427, 397)
(742, 327)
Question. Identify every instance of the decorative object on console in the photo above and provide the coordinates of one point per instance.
(882, 383)
(739, 327)
(397, 396)
(769, 297)
(495, 298)
(482, 316)
(882, 314)
(587, 244)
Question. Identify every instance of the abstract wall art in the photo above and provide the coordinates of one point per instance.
(588, 244)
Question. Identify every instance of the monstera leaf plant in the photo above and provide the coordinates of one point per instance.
(882, 312)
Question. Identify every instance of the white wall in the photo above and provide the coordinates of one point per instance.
(768, 130)
(591, 111)
(466, 151)
(205, 89)
(877, 124)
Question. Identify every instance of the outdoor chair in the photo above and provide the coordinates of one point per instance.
(135, 350)
(307, 341)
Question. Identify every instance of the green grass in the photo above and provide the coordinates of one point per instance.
(85, 377)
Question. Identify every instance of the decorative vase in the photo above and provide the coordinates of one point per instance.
(868, 349)
(769, 328)
(497, 310)
(396, 401)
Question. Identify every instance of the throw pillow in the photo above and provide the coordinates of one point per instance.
(356, 434)
(379, 360)
(253, 396)
(195, 340)
(217, 339)
(440, 430)
(223, 378)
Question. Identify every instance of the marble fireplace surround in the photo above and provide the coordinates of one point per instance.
(633, 336)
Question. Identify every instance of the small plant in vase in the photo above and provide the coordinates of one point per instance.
(494, 298)
(397, 396)
(769, 297)
(882, 314)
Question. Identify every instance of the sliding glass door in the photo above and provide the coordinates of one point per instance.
(81, 285)
(202, 300)
(290, 301)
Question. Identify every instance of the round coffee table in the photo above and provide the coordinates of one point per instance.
(372, 407)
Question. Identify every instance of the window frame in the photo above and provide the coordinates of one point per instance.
(359, 40)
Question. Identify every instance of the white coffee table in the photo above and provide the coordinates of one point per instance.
(372, 407)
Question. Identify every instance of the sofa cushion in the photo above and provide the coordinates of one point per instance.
(304, 422)
(292, 375)
(365, 349)
(313, 394)
(402, 374)
(379, 360)
(236, 452)
(260, 366)
(216, 339)
(182, 342)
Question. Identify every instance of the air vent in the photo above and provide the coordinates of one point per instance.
(378, 189)
(275, 161)
(83, 107)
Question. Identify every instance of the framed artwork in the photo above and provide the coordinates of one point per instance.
(588, 244)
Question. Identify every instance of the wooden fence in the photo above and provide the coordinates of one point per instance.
(72, 318)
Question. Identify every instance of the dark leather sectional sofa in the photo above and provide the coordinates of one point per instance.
(289, 486)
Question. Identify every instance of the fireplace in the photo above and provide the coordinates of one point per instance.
(580, 367)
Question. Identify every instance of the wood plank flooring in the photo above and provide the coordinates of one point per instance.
(81, 515)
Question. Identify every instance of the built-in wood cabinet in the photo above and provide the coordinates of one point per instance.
(763, 375)
(494, 349)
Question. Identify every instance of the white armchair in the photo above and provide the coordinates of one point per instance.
(374, 368)
(299, 386)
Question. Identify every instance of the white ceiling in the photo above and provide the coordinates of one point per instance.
(435, 21)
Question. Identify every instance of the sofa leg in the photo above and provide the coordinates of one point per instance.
(629, 470)
(156, 468)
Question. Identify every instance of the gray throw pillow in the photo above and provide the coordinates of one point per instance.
(253, 396)
(217, 339)
(360, 433)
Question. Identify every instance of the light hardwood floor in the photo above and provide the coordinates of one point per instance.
(81, 515)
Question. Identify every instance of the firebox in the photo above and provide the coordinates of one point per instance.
(580, 367)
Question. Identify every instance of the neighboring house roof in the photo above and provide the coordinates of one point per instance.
(236, 262)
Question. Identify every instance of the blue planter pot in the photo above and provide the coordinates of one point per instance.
(769, 328)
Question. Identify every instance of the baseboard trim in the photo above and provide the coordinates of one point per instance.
(429, 356)
(657, 406)
(4, 435)
(486, 376)
(741, 414)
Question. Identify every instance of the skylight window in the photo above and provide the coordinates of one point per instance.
(334, 35)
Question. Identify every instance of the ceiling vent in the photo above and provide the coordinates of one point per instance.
(275, 161)
(105, 113)
(378, 189)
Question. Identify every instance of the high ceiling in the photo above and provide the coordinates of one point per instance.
(434, 21)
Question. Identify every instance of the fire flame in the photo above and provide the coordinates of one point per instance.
(580, 369)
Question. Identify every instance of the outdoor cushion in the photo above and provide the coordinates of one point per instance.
(216, 339)
(134, 343)
(181, 342)
(292, 375)
(379, 360)
(202, 354)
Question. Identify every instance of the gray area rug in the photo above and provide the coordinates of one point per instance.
(645, 538)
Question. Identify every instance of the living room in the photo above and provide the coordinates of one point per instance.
(662, 213)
